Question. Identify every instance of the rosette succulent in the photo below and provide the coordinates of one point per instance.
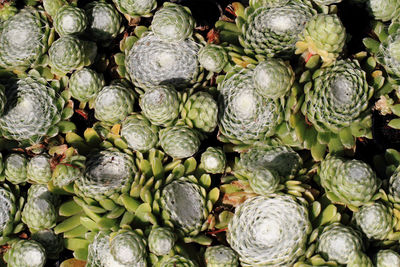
(386, 258)
(201, 112)
(124, 248)
(32, 111)
(375, 220)
(10, 212)
(384, 10)
(135, 8)
(338, 242)
(114, 103)
(26, 253)
(70, 20)
(15, 168)
(273, 31)
(394, 187)
(323, 35)
(139, 133)
(85, 84)
(160, 105)
(279, 230)
(244, 115)
(70, 53)
(24, 39)
(177, 261)
(38, 169)
(213, 160)
(151, 61)
(106, 173)
(104, 21)
(350, 182)
(221, 256)
(39, 214)
(359, 259)
(179, 141)
(173, 23)
(213, 57)
(161, 240)
(273, 78)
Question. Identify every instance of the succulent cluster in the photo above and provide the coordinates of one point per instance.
(138, 133)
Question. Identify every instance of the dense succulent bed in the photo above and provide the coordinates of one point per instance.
(199, 133)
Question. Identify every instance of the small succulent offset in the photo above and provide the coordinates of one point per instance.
(161, 240)
(213, 160)
(179, 141)
(26, 253)
(386, 258)
(135, 8)
(70, 20)
(221, 256)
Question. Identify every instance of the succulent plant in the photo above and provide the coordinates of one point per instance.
(269, 231)
(70, 53)
(161, 240)
(106, 173)
(173, 23)
(135, 8)
(335, 234)
(213, 160)
(394, 187)
(273, 78)
(201, 112)
(26, 253)
(160, 105)
(15, 168)
(7, 10)
(375, 220)
(104, 21)
(38, 169)
(70, 20)
(386, 258)
(139, 133)
(244, 115)
(151, 62)
(39, 214)
(359, 259)
(85, 84)
(221, 256)
(24, 39)
(384, 10)
(33, 111)
(351, 182)
(52, 6)
(179, 141)
(213, 57)
(52, 243)
(114, 103)
(10, 209)
(177, 261)
(324, 35)
(273, 31)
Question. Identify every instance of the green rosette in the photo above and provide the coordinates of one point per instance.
(161, 240)
(70, 20)
(179, 141)
(213, 160)
(221, 256)
(26, 253)
(15, 168)
(85, 84)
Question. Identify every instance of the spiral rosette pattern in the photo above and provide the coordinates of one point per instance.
(70, 53)
(26, 253)
(273, 31)
(389, 54)
(15, 168)
(185, 205)
(23, 39)
(376, 220)
(161, 240)
(104, 21)
(179, 141)
(324, 35)
(384, 10)
(177, 261)
(31, 111)
(173, 23)
(160, 105)
(85, 84)
(244, 115)
(353, 182)
(39, 214)
(106, 172)
(114, 103)
(359, 259)
(201, 112)
(9, 207)
(273, 78)
(38, 169)
(129, 249)
(213, 57)
(70, 20)
(339, 97)
(221, 256)
(269, 231)
(134, 8)
(213, 160)
(338, 242)
(386, 258)
(139, 133)
(152, 62)
(394, 186)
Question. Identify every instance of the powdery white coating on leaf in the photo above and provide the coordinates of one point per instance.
(7, 207)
